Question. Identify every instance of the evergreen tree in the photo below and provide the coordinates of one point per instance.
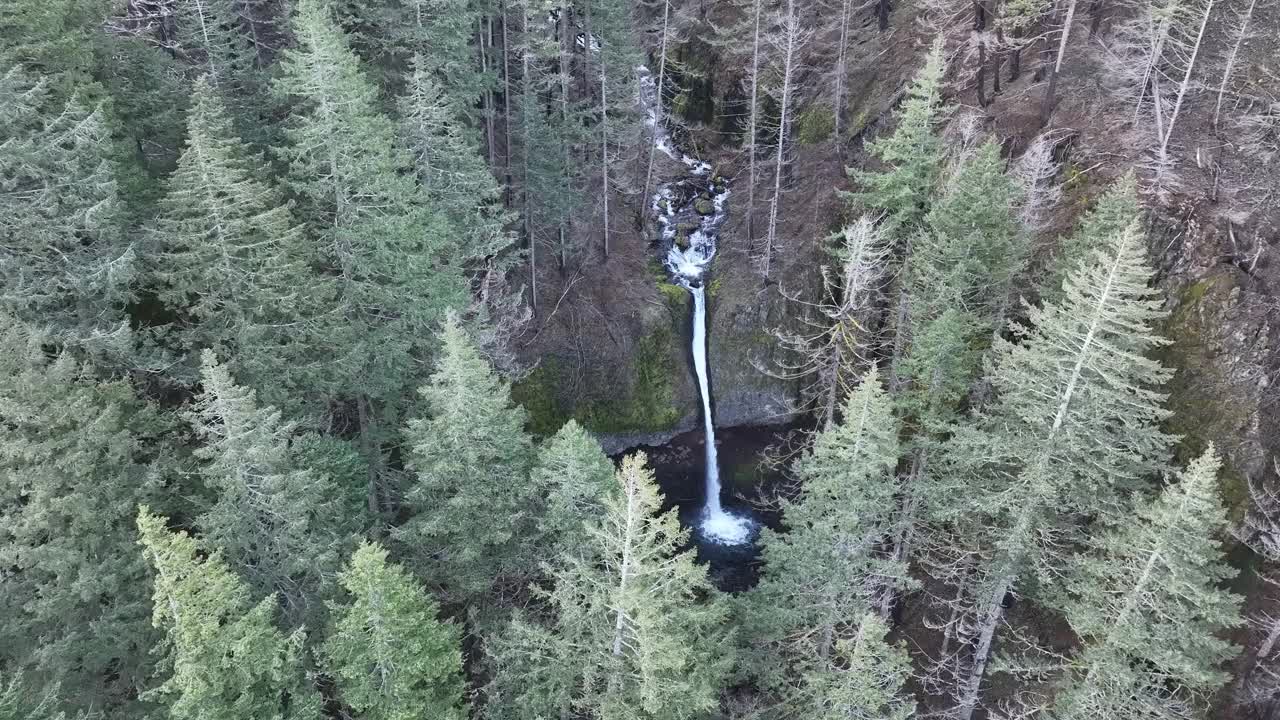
(226, 248)
(64, 261)
(1116, 209)
(863, 678)
(391, 258)
(977, 247)
(1075, 424)
(636, 631)
(277, 523)
(450, 168)
(911, 155)
(76, 457)
(1149, 604)
(821, 576)
(575, 478)
(392, 658)
(225, 657)
(471, 500)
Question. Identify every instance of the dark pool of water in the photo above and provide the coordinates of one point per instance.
(747, 484)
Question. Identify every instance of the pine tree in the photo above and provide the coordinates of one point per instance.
(1148, 602)
(575, 478)
(391, 656)
(64, 260)
(977, 241)
(637, 630)
(278, 524)
(825, 572)
(226, 249)
(76, 457)
(451, 170)
(391, 257)
(863, 678)
(225, 657)
(1073, 427)
(470, 455)
(911, 155)
(1116, 209)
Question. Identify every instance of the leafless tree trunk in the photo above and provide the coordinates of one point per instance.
(753, 119)
(1046, 106)
(1231, 59)
(506, 104)
(1183, 86)
(524, 153)
(792, 38)
(842, 71)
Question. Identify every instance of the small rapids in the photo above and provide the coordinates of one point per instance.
(690, 212)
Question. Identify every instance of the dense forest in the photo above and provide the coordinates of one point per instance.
(346, 352)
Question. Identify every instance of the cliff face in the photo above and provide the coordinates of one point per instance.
(613, 334)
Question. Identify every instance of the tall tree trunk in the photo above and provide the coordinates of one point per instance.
(524, 153)
(882, 14)
(1186, 83)
(506, 106)
(1231, 60)
(992, 612)
(486, 39)
(565, 153)
(604, 134)
(792, 31)
(1046, 106)
(753, 128)
(899, 337)
(841, 70)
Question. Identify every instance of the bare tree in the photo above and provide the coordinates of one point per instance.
(1241, 34)
(790, 38)
(834, 342)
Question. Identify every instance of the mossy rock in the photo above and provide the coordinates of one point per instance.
(815, 125)
(649, 405)
(1207, 406)
(539, 394)
(682, 240)
(704, 206)
(675, 297)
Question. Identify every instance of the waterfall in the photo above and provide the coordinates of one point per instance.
(699, 196)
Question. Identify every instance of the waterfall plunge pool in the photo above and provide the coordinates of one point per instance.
(748, 484)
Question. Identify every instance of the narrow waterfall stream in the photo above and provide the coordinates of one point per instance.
(690, 212)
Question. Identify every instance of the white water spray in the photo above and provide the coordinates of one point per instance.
(688, 266)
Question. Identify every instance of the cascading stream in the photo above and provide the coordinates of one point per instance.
(692, 245)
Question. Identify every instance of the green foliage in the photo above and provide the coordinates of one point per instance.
(820, 575)
(649, 404)
(575, 478)
(636, 630)
(390, 258)
(453, 175)
(862, 677)
(225, 658)
(473, 508)
(64, 260)
(277, 523)
(815, 125)
(1116, 210)
(225, 249)
(911, 156)
(76, 457)
(1148, 602)
(537, 393)
(391, 656)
